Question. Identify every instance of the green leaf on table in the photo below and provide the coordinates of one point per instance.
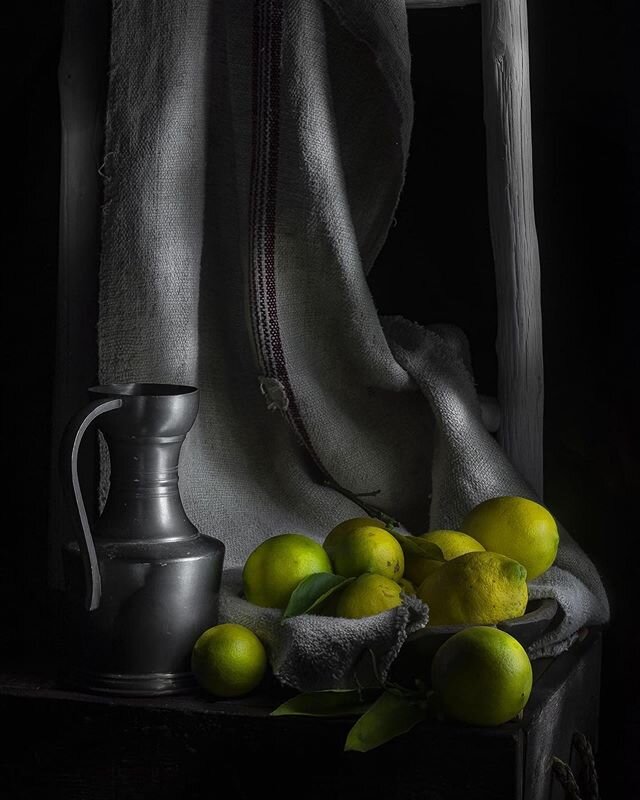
(391, 715)
(330, 703)
(312, 591)
(415, 546)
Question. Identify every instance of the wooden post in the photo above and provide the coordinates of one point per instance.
(507, 110)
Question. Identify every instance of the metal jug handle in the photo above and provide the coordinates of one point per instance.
(69, 450)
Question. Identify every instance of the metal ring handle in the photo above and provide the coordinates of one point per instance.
(71, 440)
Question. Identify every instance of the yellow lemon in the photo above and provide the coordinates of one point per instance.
(516, 527)
(482, 676)
(276, 567)
(336, 534)
(452, 544)
(228, 660)
(475, 589)
(367, 548)
(368, 595)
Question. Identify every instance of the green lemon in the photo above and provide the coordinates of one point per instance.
(344, 528)
(276, 567)
(367, 548)
(368, 595)
(482, 676)
(228, 660)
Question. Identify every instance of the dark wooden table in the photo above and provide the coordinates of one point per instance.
(59, 743)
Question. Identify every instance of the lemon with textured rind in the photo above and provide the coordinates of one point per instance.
(482, 676)
(475, 589)
(342, 529)
(516, 527)
(451, 543)
(368, 548)
(276, 567)
(228, 660)
(368, 595)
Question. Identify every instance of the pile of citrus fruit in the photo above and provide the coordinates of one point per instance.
(474, 577)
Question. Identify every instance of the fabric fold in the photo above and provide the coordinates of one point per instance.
(470, 467)
(312, 653)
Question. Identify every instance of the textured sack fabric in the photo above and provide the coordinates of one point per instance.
(469, 466)
(313, 652)
(255, 152)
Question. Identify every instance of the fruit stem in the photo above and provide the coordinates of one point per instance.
(371, 510)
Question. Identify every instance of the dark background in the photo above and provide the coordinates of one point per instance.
(435, 267)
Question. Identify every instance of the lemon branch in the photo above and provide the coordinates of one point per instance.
(372, 511)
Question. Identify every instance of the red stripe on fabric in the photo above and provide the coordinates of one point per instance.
(267, 53)
(257, 307)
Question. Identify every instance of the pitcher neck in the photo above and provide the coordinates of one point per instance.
(144, 500)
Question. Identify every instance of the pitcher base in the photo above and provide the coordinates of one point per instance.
(149, 685)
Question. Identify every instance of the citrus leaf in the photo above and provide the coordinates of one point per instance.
(333, 703)
(390, 716)
(415, 546)
(311, 591)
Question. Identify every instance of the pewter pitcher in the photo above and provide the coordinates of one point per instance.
(145, 581)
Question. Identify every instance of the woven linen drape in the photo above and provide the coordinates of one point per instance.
(255, 154)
